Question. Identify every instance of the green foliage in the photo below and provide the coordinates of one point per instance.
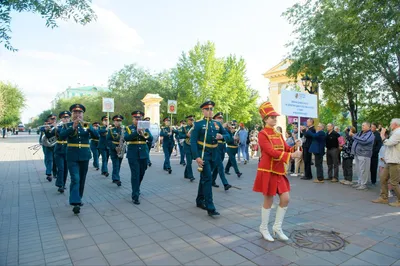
(12, 101)
(331, 112)
(41, 119)
(51, 10)
(352, 46)
(131, 84)
(380, 113)
(200, 75)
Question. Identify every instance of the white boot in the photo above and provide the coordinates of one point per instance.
(277, 228)
(264, 224)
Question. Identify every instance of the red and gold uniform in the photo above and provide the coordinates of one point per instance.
(271, 178)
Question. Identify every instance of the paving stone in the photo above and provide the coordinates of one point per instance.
(202, 262)
(111, 247)
(147, 251)
(387, 249)
(162, 235)
(335, 257)
(79, 242)
(98, 261)
(183, 230)
(122, 257)
(290, 253)
(268, 245)
(138, 241)
(353, 249)
(75, 234)
(313, 260)
(375, 258)
(187, 254)
(210, 247)
(173, 244)
(231, 241)
(270, 259)
(361, 241)
(228, 257)
(100, 229)
(106, 237)
(355, 262)
(161, 260)
(85, 253)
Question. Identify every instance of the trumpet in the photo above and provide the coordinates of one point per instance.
(84, 124)
(143, 133)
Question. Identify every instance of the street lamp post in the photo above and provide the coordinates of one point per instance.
(310, 85)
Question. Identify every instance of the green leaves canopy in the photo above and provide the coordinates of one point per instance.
(353, 46)
(12, 100)
(200, 75)
(51, 10)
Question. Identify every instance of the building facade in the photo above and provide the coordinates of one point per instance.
(77, 92)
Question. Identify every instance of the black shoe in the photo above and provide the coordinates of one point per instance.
(239, 174)
(169, 171)
(49, 178)
(136, 201)
(227, 173)
(227, 187)
(192, 179)
(118, 183)
(306, 178)
(97, 169)
(215, 185)
(213, 213)
(201, 206)
(77, 204)
(61, 190)
(76, 209)
(149, 164)
(184, 164)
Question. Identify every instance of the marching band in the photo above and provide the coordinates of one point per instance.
(73, 142)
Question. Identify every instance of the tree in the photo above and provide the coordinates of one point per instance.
(130, 84)
(51, 10)
(12, 100)
(200, 75)
(353, 57)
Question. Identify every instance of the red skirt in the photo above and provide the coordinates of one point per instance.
(271, 184)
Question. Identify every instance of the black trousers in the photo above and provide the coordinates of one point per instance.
(374, 169)
(348, 169)
(319, 166)
(307, 163)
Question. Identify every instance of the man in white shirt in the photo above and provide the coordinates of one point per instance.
(391, 172)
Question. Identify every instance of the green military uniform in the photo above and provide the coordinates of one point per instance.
(94, 143)
(137, 154)
(78, 156)
(199, 138)
(113, 141)
(187, 149)
(232, 150)
(168, 145)
(103, 149)
(219, 167)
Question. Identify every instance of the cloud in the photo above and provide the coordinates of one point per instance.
(107, 34)
(51, 56)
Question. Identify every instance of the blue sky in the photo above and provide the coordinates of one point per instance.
(150, 33)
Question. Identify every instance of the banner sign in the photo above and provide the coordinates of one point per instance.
(294, 103)
(172, 106)
(108, 105)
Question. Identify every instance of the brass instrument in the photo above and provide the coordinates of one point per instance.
(121, 148)
(142, 126)
(200, 169)
(84, 124)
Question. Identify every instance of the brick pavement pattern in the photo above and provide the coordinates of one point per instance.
(37, 226)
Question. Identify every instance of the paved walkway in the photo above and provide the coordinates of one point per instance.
(37, 227)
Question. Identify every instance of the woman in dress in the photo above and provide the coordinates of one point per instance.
(271, 179)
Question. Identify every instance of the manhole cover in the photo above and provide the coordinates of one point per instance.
(317, 240)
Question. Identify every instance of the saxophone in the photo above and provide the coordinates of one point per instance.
(122, 144)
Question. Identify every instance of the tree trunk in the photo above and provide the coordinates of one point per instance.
(352, 107)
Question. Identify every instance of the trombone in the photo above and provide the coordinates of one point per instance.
(84, 124)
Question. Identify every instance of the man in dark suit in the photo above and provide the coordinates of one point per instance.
(308, 133)
(318, 149)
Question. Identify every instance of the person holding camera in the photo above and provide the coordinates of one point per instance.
(348, 158)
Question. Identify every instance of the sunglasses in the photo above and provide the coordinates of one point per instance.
(52, 118)
(219, 117)
(208, 109)
(65, 117)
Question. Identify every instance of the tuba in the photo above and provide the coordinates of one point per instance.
(122, 144)
(49, 142)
